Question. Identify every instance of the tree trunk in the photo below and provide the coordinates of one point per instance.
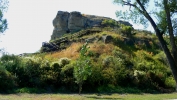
(170, 30)
(80, 88)
(170, 58)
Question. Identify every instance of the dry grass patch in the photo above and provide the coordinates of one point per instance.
(102, 48)
(71, 52)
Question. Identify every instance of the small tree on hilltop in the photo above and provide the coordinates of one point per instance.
(109, 23)
(82, 68)
(126, 30)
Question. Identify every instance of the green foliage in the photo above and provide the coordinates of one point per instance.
(67, 77)
(7, 80)
(136, 14)
(30, 90)
(11, 63)
(170, 82)
(32, 71)
(162, 21)
(51, 73)
(14, 65)
(116, 69)
(64, 61)
(161, 57)
(96, 77)
(162, 25)
(149, 72)
(82, 68)
(117, 89)
(126, 30)
(3, 22)
(109, 22)
(124, 69)
(109, 76)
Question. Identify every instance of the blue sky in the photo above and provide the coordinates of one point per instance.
(30, 21)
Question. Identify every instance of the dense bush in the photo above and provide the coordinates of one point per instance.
(120, 68)
(117, 67)
(170, 82)
(126, 30)
(13, 64)
(110, 23)
(7, 80)
(150, 72)
(64, 61)
(67, 77)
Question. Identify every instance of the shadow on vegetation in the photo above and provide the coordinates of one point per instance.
(104, 97)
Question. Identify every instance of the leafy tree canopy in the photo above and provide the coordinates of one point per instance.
(163, 18)
(3, 22)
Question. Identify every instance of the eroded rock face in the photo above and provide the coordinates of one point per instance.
(66, 22)
(60, 24)
(76, 21)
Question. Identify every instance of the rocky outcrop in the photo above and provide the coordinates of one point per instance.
(76, 22)
(60, 24)
(64, 42)
(66, 22)
(107, 38)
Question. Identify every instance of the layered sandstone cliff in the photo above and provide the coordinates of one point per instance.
(66, 22)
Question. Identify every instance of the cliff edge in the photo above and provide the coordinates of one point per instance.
(66, 22)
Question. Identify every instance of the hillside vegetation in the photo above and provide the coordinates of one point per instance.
(122, 60)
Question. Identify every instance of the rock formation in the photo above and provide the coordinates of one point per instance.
(66, 22)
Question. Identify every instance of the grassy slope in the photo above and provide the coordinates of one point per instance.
(135, 53)
(72, 51)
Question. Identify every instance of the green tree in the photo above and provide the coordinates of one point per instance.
(165, 11)
(3, 22)
(82, 68)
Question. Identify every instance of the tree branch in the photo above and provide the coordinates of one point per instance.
(133, 5)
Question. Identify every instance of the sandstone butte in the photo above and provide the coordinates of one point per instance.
(66, 22)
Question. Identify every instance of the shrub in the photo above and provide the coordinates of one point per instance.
(126, 30)
(141, 80)
(45, 66)
(67, 77)
(46, 73)
(56, 73)
(15, 66)
(12, 63)
(96, 78)
(32, 71)
(55, 67)
(108, 22)
(30, 90)
(155, 72)
(170, 82)
(107, 61)
(7, 80)
(161, 57)
(64, 61)
(109, 76)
